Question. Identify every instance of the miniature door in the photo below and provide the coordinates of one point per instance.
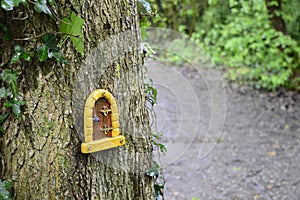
(101, 123)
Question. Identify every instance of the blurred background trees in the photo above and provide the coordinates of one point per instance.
(258, 41)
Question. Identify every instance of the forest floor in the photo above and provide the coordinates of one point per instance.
(230, 142)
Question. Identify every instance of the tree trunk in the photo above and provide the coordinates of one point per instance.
(41, 155)
(276, 20)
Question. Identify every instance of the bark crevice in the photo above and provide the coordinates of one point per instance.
(42, 154)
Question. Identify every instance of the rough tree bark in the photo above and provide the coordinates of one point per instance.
(41, 155)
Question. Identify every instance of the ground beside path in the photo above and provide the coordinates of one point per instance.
(255, 156)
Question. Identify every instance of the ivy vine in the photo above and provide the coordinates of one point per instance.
(155, 171)
(12, 99)
(47, 47)
(4, 190)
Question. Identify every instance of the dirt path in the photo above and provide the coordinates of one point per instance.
(241, 145)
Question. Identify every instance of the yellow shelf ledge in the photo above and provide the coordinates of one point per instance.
(102, 144)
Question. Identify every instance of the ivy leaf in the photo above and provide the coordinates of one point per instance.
(78, 43)
(4, 187)
(43, 52)
(7, 33)
(50, 49)
(8, 104)
(146, 5)
(17, 110)
(16, 105)
(50, 41)
(4, 92)
(41, 6)
(20, 52)
(73, 26)
(3, 118)
(51, 2)
(15, 58)
(58, 56)
(7, 36)
(25, 56)
(162, 148)
(151, 91)
(7, 4)
(1, 129)
(10, 4)
(10, 78)
(77, 23)
(152, 172)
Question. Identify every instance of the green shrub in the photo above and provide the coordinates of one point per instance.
(255, 52)
(238, 35)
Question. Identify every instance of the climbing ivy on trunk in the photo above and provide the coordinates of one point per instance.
(40, 155)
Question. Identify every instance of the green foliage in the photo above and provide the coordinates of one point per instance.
(256, 53)
(49, 49)
(144, 6)
(182, 51)
(43, 52)
(151, 92)
(10, 78)
(239, 35)
(49, 41)
(173, 14)
(7, 33)
(10, 96)
(151, 96)
(46, 48)
(145, 13)
(156, 172)
(291, 15)
(20, 52)
(155, 141)
(73, 26)
(40, 5)
(10, 4)
(4, 193)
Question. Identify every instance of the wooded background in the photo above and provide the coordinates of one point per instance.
(257, 41)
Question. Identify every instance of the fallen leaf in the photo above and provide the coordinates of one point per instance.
(286, 127)
(269, 187)
(236, 168)
(257, 196)
(175, 193)
(272, 153)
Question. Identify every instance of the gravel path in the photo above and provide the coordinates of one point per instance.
(226, 142)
